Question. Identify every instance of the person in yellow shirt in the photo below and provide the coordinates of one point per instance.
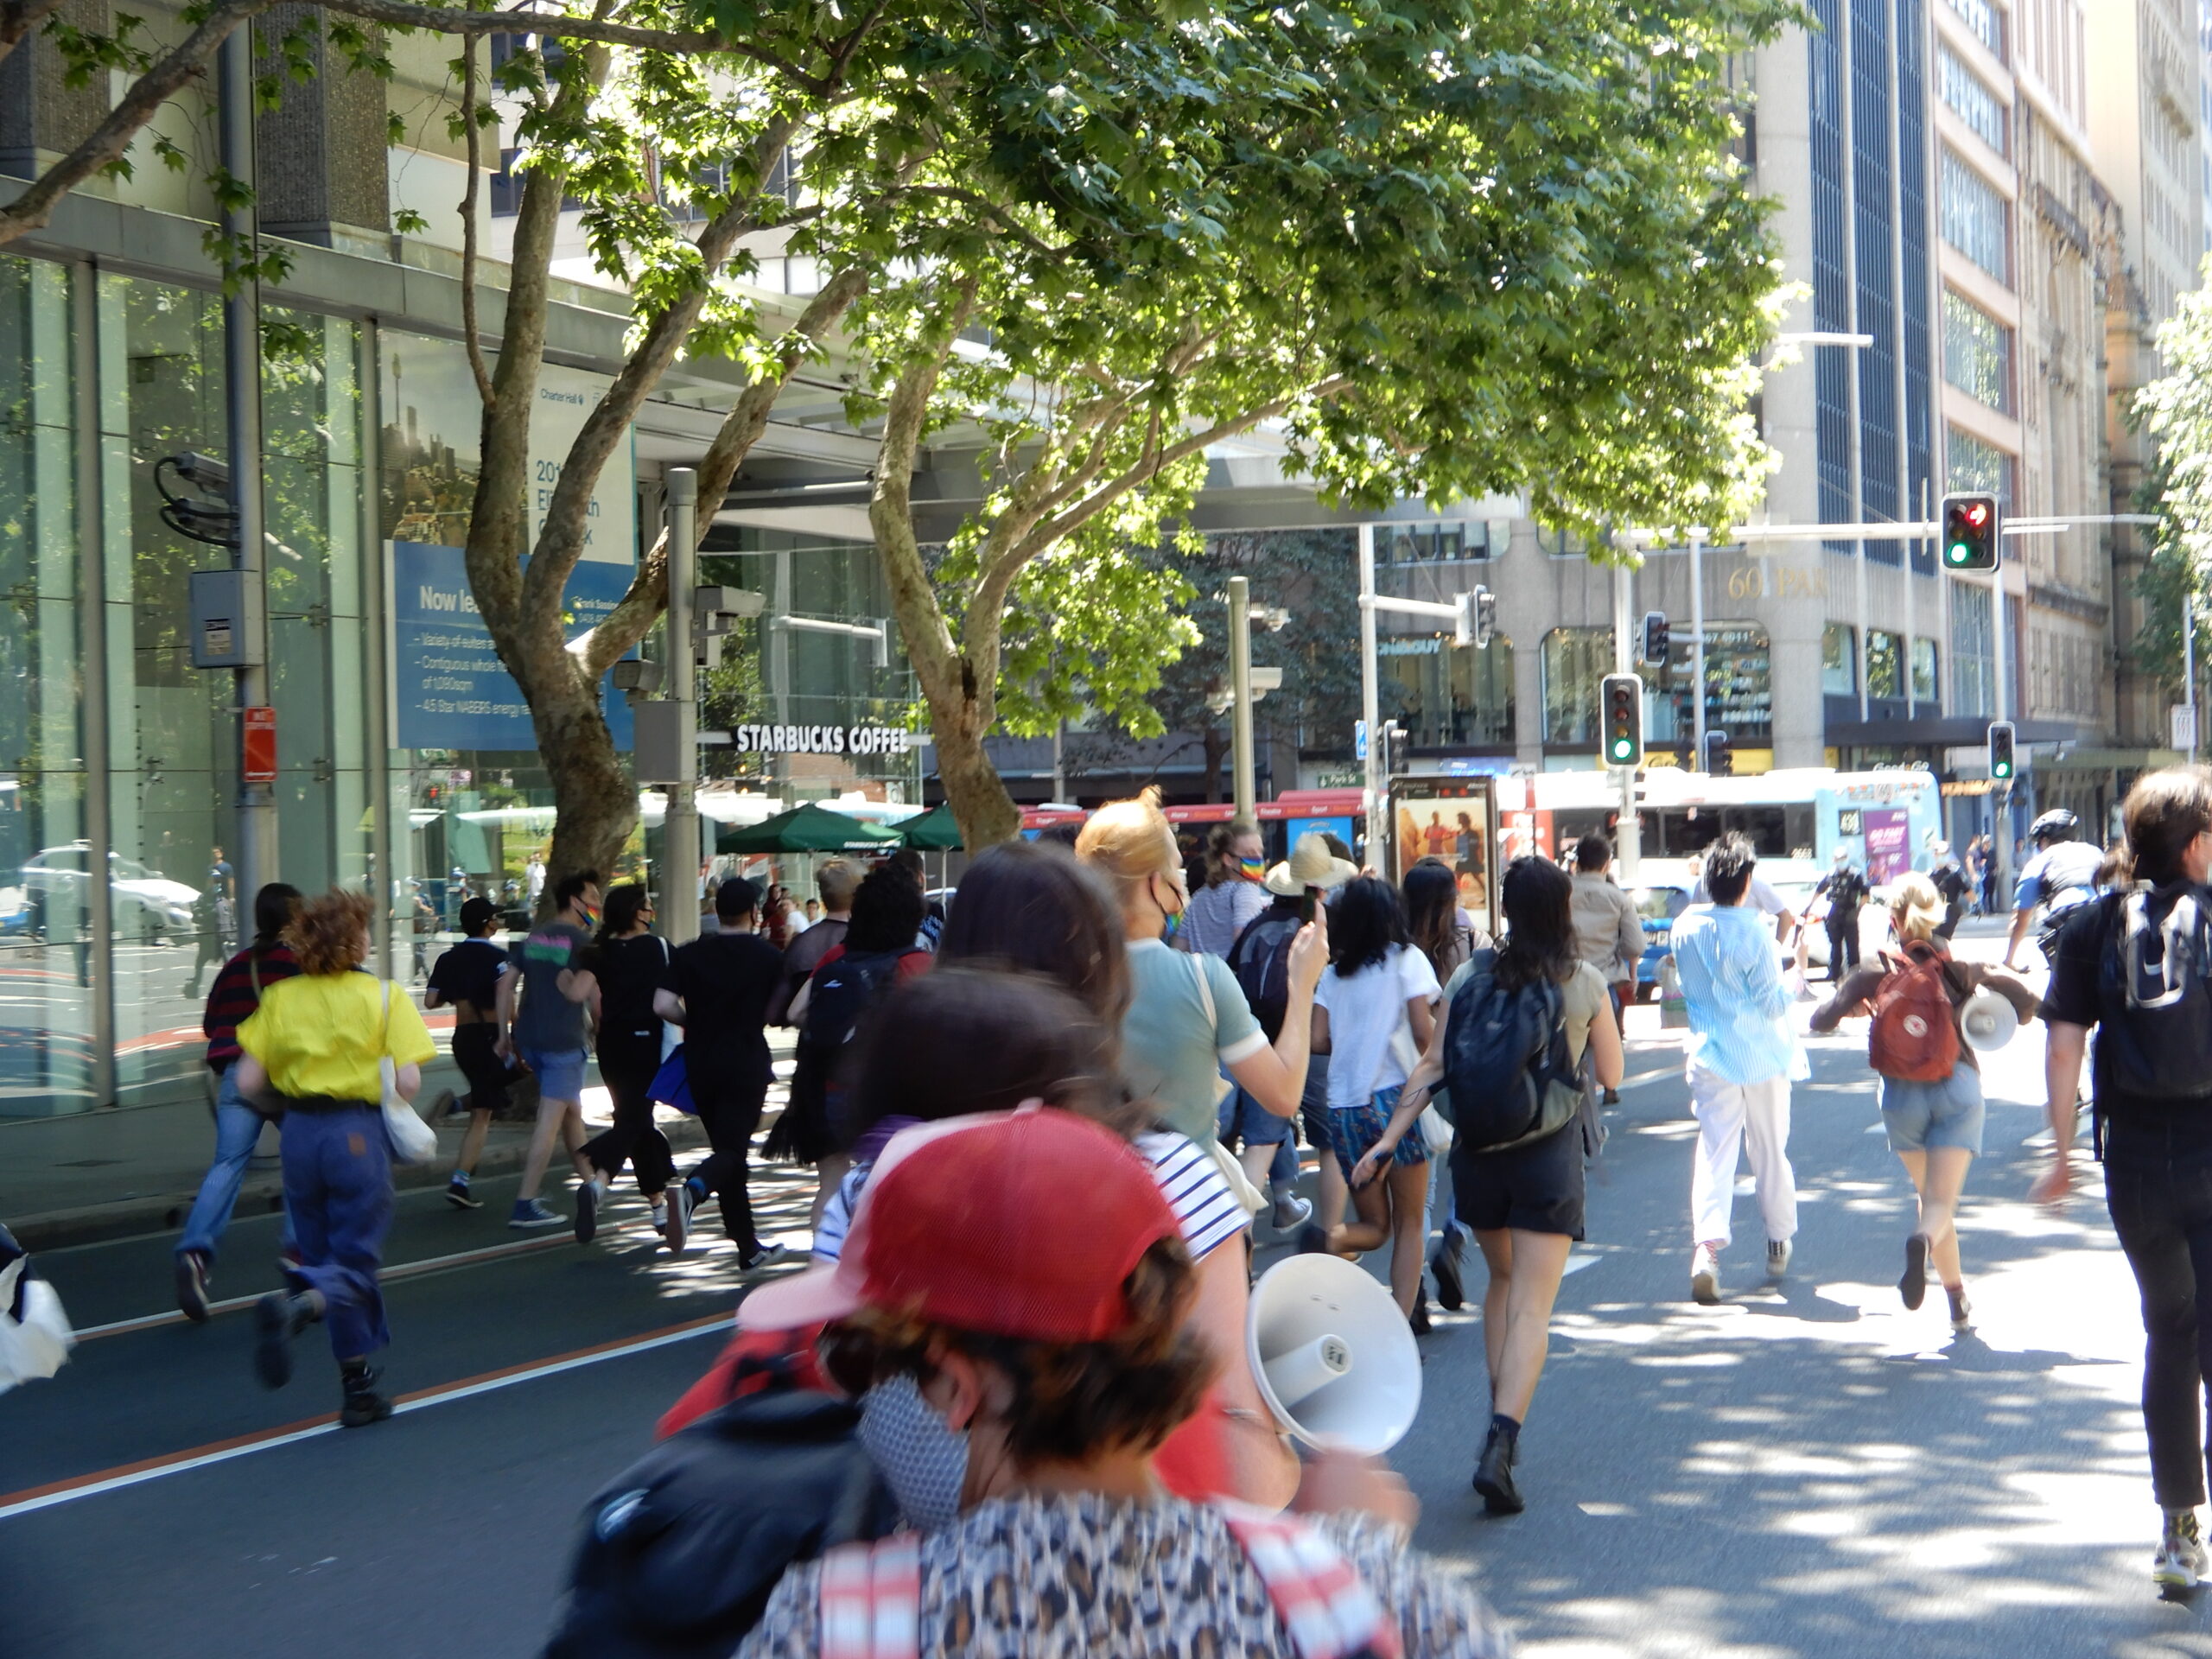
(311, 1055)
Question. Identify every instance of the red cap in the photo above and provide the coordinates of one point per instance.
(1021, 1224)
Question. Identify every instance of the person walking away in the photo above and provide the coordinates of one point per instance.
(1950, 884)
(910, 859)
(629, 961)
(2135, 965)
(1608, 931)
(545, 1012)
(210, 938)
(312, 1055)
(467, 979)
(1529, 1012)
(1931, 1084)
(834, 881)
(1377, 985)
(1845, 889)
(1439, 928)
(717, 989)
(1743, 1058)
(1188, 1018)
(2062, 875)
(233, 997)
(1233, 895)
(877, 952)
(1762, 896)
(1261, 960)
(1015, 1400)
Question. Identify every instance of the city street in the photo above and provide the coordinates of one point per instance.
(1805, 1470)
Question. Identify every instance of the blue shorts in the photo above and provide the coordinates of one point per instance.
(1925, 1116)
(1244, 1120)
(560, 1075)
(1353, 1129)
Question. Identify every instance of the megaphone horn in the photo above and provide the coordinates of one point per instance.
(1987, 1020)
(1334, 1357)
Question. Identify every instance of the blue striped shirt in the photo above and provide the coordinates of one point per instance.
(1732, 987)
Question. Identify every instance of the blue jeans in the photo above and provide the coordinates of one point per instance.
(237, 1127)
(338, 1188)
(1243, 1118)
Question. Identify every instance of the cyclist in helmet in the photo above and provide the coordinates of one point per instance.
(2061, 874)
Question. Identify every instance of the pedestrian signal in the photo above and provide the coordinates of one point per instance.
(1623, 701)
(1477, 620)
(1720, 758)
(1971, 523)
(1656, 640)
(2000, 751)
(1394, 749)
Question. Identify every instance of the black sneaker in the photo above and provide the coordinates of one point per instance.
(1494, 1475)
(1418, 1318)
(586, 1212)
(677, 1228)
(1913, 1287)
(280, 1316)
(364, 1405)
(767, 1256)
(1312, 1240)
(1450, 1289)
(459, 1195)
(191, 1286)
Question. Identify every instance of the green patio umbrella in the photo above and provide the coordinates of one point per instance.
(807, 829)
(936, 831)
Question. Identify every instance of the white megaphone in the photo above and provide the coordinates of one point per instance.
(1987, 1021)
(1334, 1357)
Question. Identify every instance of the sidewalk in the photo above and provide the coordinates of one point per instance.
(110, 1174)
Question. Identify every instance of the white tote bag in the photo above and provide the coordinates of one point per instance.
(35, 1334)
(413, 1140)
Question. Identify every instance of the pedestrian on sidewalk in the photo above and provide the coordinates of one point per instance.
(1931, 1084)
(467, 979)
(631, 961)
(547, 1007)
(1014, 1399)
(836, 882)
(312, 1054)
(1608, 931)
(1743, 1057)
(1374, 1014)
(1524, 1201)
(2136, 966)
(717, 989)
(233, 997)
(1236, 862)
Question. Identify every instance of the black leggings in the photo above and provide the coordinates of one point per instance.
(2158, 1187)
(730, 1110)
(627, 1064)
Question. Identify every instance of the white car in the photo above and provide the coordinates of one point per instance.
(145, 900)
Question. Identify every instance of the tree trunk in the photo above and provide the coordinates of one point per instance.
(981, 805)
(596, 801)
(1217, 747)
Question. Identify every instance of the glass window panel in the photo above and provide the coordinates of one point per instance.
(1575, 661)
(1448, 696)
(1981, 17)
(1975, 221)
(1977, 354)
(1974, 104)
(1839, 660)
(1925, 680)
(1975, 465)
(1973, 671)
(1884, 664)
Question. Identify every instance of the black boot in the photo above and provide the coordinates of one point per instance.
(1494, 1473)
(364, 1405)
(280, 1316)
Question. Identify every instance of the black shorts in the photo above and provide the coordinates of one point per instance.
(487, 1074)
(1532, 1189)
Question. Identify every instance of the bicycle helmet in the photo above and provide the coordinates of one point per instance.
(2058, 824)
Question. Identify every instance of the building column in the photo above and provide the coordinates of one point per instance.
(41, 116)
(321, 154)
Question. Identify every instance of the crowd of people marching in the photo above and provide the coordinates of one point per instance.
(1044, 1128)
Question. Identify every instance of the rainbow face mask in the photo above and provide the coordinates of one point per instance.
(1252, 869)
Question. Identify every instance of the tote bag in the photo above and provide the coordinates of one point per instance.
(413, 1140)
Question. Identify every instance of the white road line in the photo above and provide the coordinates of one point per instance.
(437, 1396)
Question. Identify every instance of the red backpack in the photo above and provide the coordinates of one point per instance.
(1916, 1038)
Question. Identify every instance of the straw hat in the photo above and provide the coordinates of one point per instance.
(1311, 865)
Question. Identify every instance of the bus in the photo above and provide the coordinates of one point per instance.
(1294, 813)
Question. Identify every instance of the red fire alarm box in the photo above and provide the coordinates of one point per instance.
(260, 759)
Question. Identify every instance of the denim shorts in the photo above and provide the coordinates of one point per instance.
(560, 1075)
(1923, 1117)
(1355, 1128)
(1244, 1121)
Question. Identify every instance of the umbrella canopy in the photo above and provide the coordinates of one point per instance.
(936, 831)
(807, 829)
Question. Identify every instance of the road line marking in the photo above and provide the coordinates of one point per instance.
(35, 1498)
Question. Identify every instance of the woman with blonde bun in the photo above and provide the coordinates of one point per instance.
(1934, 1125)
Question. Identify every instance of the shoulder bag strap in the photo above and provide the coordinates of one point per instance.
(1206, 995)
(871, 1600)
(1327, 1608)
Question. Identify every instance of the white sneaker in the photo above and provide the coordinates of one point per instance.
(1705, 1274)
(2181, 1562)
(1292, 1212)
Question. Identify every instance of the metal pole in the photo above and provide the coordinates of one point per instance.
(2189, 666)
(256, 803)
(1697, 649)
(1059, 760)
(1856, 447)
(1370, 707)
(1896, 324)
(680, 832)
(2003, 827)
(1240, 693)
(1629, 842)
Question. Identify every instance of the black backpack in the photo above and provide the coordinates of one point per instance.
(1506, 1061)
(842, 992)
(1260, 961)
(2155, 991)
(682, 1549)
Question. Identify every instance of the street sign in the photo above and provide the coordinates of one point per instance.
(1359, 739)
(259, 763)
(2181, 726)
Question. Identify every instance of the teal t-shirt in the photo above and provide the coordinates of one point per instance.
(1172, 1053)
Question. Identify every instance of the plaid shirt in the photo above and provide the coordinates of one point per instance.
(232, 997)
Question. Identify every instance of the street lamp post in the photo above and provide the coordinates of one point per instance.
(680, 830)
(1240, 692)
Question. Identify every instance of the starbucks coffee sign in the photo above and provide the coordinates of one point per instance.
(821, 740)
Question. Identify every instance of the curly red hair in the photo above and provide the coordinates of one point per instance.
(326, 933)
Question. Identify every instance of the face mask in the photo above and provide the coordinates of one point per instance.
(923, 1459)
(1253, 869)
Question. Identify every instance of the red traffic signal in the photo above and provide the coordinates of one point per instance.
(1971, 527)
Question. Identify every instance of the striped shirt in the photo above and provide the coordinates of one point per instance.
(1732, 987)
(232, 997)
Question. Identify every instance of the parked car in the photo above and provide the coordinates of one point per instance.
(1663, 891)
(56, 883)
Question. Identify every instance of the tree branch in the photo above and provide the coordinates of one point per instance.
(995, 214)
(107, 142)
(468, 230)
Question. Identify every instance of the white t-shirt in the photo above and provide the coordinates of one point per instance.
(1365, 1011)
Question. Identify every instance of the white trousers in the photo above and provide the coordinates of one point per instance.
(1754, 1118)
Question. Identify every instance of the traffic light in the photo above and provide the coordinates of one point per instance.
(1719, 760)
(1623, 701)
(2000, 752)
(1971, 523)
(1478, 619)
(1394, 749)
(1656, 640)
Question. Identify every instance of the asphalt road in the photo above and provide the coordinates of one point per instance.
(1806, 1470)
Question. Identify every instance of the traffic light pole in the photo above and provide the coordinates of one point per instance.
(1697, 646)
(1376, 784)
(1628, 839)
(680, 829)
(1240, 699)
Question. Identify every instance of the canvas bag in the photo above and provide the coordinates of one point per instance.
(413, 1140)
(1915, 1037)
